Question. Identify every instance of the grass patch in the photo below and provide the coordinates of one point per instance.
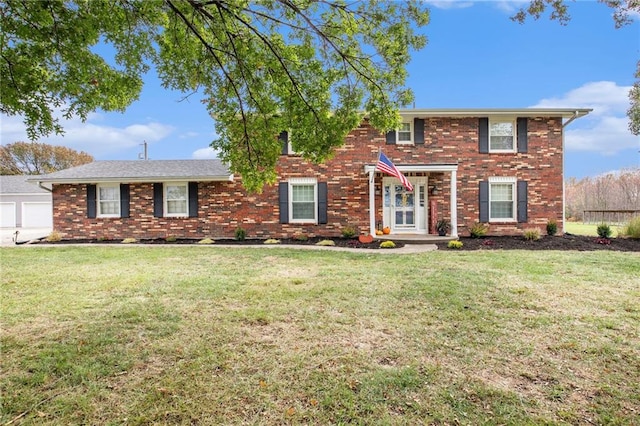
(179, 335)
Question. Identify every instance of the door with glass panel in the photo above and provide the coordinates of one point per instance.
(404, 211)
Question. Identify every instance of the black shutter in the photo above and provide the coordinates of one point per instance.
(283, 137)
(522, 134)
(193, 199)
(484, 201)
(391, 137)
(483, 135)
(522, 201)
(158, 209)
(91, 201)
(418, 131)
(283, 201)
(125, 199)
(322, 202)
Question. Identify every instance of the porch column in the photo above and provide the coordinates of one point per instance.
(454, 204)
(372, 204)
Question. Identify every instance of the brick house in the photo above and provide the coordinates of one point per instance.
(503, 167)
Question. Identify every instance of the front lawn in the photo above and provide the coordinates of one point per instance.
(211, 335)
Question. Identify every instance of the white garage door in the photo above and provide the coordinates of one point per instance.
(7, 215)
(37, 215)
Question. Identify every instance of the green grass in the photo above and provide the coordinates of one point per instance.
(181, 335)
(589, 229)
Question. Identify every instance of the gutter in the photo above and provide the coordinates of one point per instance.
(575, 115)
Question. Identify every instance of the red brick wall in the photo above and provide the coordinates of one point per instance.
(223, 206)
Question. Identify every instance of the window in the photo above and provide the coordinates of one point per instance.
(303, 200)
(501, 136)
(176, 199)
(404, 133)
(109, 201)
(502, 199)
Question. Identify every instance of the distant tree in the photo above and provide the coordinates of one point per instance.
(265, 66)
(622, 9)
(31, 158)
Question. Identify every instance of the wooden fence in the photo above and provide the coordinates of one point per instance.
(611, 217)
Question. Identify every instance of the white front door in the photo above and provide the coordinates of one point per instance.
(404, 211)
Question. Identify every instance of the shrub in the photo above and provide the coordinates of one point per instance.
(271, 241)
(325, 243)
(128, 241)
(240, 234)
(387, 245)
(604, 230)
(632, 229)
(53, 237)
(531, 234)
(603, 241)
(478, 230)
(455, 244)
(171, 239)
(300, 237)
(206, 241)
(552, 227)
(349, 231)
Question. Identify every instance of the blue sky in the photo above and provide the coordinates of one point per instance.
(476, 57)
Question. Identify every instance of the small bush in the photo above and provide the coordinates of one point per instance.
(327, 243)
(349, 231)
(53, 237)
(387, 245)
(604, 230)
(271, 241)
(478, 230)
(532, 234)
(632, 229)
(206, 241)
(240, 234)
(552, 227)
(455, 244)
(171, 239)
(300, 237)
(128, 241)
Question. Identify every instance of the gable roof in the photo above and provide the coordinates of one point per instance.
(140, 171)
(18, 184)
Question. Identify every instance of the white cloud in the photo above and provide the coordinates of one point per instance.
(605, 130)
(188, 135)
(204, 153)
(93, 138)
(449, 4)
(510, 7)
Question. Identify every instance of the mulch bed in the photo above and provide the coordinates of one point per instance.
(564, 242)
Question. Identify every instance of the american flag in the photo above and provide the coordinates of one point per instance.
(386, 166)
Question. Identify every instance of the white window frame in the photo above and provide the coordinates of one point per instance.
(99, 201)
(165, 199)
(303, 182)
(410, 131)
(514, 197)
(514, 134)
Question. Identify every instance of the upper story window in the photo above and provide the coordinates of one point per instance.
(303, 201)
(405, 133)
(176, 196)
(502, 199)
(108, 201)
(502, 136)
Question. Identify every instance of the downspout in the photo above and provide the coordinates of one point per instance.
(44, 187)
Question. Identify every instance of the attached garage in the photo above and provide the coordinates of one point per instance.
(24, 204)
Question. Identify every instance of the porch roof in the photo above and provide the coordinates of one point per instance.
(437, 167)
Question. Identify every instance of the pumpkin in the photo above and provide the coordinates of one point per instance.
(365, 239)
(386, 230)
(378, 232)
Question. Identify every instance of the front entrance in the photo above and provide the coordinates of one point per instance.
(405, 211)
